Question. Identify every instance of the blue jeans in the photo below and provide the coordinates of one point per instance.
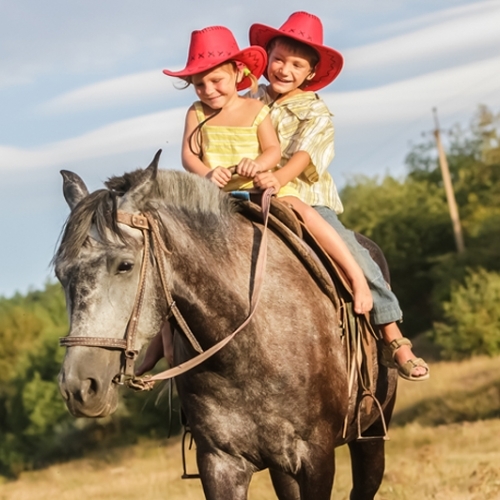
(385, 304)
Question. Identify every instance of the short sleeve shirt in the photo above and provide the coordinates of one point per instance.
(303, 123)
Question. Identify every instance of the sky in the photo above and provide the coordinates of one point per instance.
(82, 89)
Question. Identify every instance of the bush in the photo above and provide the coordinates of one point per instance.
(471, 323)
(35, 426)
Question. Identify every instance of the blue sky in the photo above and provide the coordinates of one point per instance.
(81, 89)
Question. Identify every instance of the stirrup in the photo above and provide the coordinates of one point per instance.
(385, 437)
(185, 474)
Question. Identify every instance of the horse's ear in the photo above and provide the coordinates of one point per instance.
(74, 189)
(148, 174)
(153, 166)
(139, 189)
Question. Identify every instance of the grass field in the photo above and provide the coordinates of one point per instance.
(445, 444)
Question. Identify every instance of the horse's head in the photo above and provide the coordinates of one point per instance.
(99, 263)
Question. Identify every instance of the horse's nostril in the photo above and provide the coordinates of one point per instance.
(88, 390)
(93, 386)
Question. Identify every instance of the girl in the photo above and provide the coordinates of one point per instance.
(223, 130)
(298, 65)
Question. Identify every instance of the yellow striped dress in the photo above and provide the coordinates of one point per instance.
(225, 146)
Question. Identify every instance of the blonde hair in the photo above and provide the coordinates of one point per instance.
(236, 67)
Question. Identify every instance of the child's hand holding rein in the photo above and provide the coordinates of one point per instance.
(220, 176)
(265, 180)
(248, 168)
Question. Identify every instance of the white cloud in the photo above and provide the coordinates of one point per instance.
(41, 38)
(142, 133)
(455, 89)
(451, 37)
(136, 88)
(439, 16)
(472, 31)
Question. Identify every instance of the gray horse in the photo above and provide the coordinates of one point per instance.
(276, 396)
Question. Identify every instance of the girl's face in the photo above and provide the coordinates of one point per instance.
(217, 87)
(287, 70)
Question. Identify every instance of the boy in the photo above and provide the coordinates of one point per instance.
(298, 64)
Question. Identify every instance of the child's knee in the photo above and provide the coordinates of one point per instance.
(299, 206)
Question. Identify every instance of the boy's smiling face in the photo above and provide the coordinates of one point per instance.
(287, 70)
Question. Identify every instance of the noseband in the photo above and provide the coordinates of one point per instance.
(150, 229)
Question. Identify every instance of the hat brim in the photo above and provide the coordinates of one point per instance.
(330, 60)
(254, 58)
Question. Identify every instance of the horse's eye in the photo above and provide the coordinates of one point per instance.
(125, 266)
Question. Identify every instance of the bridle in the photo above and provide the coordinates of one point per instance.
(153, 240)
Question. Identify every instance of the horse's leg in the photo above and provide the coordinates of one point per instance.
(285, 486)
(368, 464)
(224, 476)
(316, 475)
(368, 459)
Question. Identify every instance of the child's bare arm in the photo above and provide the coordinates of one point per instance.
(294, 167)
(271, 151)
(269, 143)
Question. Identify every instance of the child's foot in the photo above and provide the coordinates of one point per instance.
(408, 365)
(397, 353)
(363, 300)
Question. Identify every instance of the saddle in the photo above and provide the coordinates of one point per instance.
(356, 330)
(288, 225)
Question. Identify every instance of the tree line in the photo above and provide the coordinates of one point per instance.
(451, 298)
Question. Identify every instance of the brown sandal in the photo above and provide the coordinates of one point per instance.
(405, 370)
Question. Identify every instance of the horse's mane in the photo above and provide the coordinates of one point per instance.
(195, 200)
(176, 189)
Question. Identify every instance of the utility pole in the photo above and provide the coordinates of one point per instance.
(448, 187)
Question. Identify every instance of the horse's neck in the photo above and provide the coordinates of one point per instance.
(210, 279)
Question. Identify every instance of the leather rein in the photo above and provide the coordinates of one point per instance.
(152, 239)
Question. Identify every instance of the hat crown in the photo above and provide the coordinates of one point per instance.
(215, 43)
(305, 26)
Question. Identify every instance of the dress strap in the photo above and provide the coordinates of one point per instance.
(200, 114)
(260, 116)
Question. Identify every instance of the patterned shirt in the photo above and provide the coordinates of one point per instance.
(303, 123)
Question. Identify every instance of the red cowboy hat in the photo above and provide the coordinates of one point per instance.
(306, 28)
(215, 45)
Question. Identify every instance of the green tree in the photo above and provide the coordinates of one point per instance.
(471, 323)
(409, 218)
(35, 426)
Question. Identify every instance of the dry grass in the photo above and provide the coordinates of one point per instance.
(457, 460)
